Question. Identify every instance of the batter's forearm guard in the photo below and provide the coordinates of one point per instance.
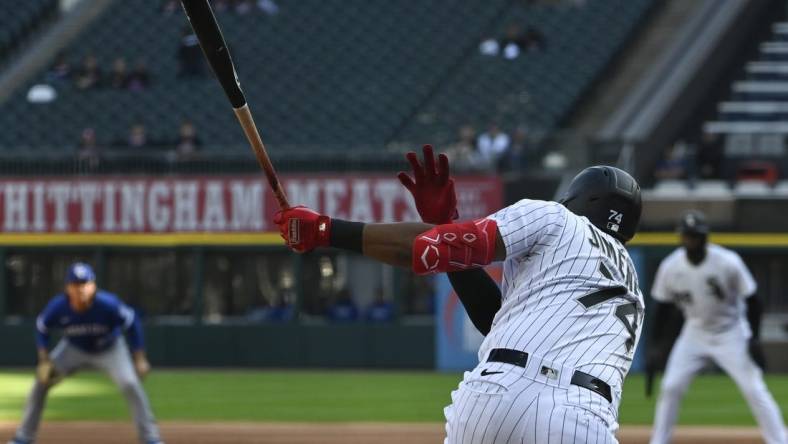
(455, 247)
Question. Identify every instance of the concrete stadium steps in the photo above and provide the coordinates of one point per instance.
(767, 71)
(753, 111)
(760, 90)
(711, 190)
(758, 104)
(743, 127)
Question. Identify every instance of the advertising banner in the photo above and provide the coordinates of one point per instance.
(212, 204)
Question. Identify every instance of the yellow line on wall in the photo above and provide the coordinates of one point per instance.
(669, 239)
(777, 240)
(139, 239)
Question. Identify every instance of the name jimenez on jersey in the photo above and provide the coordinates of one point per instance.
(570, 292)
(620, 257)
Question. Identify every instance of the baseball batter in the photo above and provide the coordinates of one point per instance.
(92, 322)
(716, 292)
(569, 318)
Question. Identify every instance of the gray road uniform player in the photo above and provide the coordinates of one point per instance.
(93, 322)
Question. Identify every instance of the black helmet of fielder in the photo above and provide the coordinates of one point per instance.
(693, 222)
(609, 198)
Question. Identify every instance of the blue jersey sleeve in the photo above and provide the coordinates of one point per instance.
(128, 320)
(136, 340)
(45, 321)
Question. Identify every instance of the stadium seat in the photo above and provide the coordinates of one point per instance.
(752, 188)
(537, 89)
(17, 19)
(315, 74)
(711, 189)
(670, 189)
(781, 188)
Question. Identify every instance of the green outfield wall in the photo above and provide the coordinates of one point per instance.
(199, 301)
(286, 346)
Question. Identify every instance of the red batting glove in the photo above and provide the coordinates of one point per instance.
(432, 189)
(303, 229)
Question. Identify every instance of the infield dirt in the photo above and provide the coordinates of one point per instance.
(346, 433)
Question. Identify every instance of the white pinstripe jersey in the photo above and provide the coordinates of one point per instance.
(570, 292)
(711, 294)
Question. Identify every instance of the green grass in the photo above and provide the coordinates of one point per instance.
(711, 400)
(332, 396)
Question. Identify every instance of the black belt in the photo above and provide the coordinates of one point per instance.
(580, 379)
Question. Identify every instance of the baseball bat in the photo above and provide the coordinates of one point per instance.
(216, 52)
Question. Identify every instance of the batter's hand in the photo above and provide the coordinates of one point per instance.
(431, 187)
(756, 353)
(303, 229)
(141, 364)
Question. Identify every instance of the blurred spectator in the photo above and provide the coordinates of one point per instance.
(674, 163)
(519, 153)
(493, 144)
(221, 5)
(243, 7)
(87, 142)
(489, 47)
(259, 313)
(709, 156)
(118, 77)
(344, 309)
(381, 310)
(139, 79)
(534, 40)
(190, 58)
(281, 311)
(88, 150)
(188, 142)
(460, 151)
(169, 7)
(268, 6)
(513, 42)
(137, 137)
(60, 70)
(463, 154)
(89, 74)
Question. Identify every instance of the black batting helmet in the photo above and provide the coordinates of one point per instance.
(609, 198)
(693, 222)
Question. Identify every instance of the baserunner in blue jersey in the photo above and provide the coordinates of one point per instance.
(93, 322)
